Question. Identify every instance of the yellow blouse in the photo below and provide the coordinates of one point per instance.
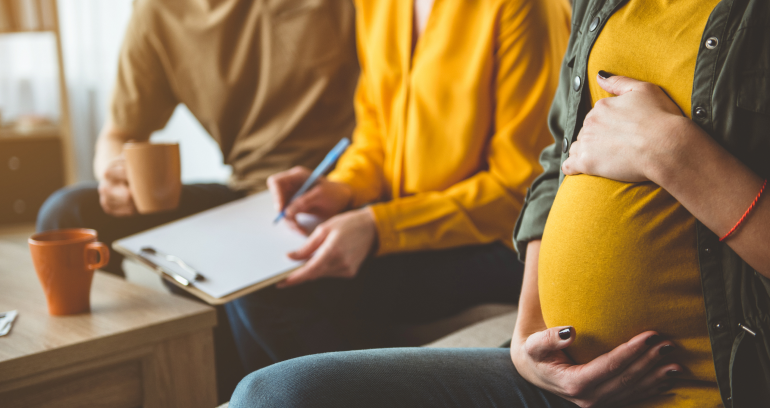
(447, 139)
(620, 258)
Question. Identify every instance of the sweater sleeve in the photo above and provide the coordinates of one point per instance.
(142, 99)
(541, 195)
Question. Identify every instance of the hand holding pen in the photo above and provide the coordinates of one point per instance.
(298, 190)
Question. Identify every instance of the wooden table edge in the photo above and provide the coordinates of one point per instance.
(102, 346)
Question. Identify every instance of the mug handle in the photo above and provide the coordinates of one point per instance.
(96, 248)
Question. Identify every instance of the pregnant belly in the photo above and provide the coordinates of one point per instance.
(618, 259)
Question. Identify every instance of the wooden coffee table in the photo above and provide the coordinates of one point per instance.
(137, 347)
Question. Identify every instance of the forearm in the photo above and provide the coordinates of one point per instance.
(530, 317)
(717, 189)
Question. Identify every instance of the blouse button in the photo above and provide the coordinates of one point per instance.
(712, 43)
(594, 24)
(564, 145)
(700, 112)
(576, 83)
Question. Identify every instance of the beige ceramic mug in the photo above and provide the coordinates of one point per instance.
(154, 175)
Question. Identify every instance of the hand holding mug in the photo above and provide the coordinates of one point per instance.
(114, 193)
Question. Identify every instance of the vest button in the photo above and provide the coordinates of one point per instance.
(576, 83)
(594, 24)
(700, 112)
(712, 43)
(719, 326)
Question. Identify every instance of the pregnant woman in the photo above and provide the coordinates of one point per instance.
(647, 238)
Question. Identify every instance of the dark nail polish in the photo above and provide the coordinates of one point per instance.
(666, 349)
(605, 74)
(565, 333)
(652, 340)
(672, 373)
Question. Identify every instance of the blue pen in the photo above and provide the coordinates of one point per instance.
(322, 168)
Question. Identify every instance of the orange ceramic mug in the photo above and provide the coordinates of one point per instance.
(65, 261)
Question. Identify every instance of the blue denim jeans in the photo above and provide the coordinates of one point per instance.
(398, 377)
(273, 325)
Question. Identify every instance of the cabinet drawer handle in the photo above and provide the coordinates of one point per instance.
(14, 163)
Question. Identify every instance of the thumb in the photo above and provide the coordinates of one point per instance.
(539, 345)
(616, 84)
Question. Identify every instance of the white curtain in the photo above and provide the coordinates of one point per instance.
(92, 32)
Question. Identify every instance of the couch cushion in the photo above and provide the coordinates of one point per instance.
(420, 334)
(491, 332)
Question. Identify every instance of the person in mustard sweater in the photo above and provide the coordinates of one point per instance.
(647, 237)
(451, 111)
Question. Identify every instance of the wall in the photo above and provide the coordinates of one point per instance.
(92, 32)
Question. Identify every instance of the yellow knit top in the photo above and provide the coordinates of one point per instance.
(620, 258)
(448, 136)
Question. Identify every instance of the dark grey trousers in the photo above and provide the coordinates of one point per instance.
(400, 377)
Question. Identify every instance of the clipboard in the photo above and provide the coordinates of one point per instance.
(235, 246)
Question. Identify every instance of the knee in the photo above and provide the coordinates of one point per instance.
(64, 208)
(292, 383)
(265, 388)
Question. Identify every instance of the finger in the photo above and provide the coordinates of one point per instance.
(311, 244)
(655, 382)
(645, 365)
(616, 84)
(316, 267)
(284, 184)
(116, 172)
(539, 345)
(275, 190)
(609, 365)
(306, 203)
(294, 225)
(570, 166)
(116, 200)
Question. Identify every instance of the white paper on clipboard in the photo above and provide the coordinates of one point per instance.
(234, 246)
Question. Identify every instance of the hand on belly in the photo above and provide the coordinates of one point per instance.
(618, 259)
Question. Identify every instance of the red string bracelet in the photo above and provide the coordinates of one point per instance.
(746, 214)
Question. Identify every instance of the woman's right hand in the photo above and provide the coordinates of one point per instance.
(324, 200)
(631, 372)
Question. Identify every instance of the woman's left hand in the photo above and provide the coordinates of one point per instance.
(622, 137)
(336, 248)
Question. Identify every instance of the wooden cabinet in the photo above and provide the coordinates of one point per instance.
(31, 168)
(34, 162)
